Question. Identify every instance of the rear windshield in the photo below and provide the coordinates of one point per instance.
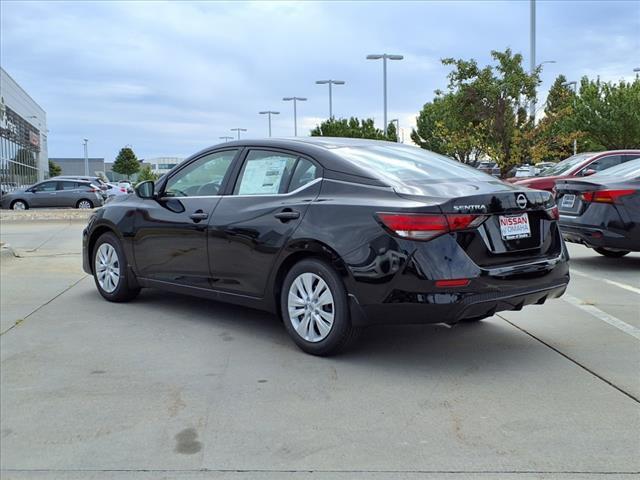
(566, 164)
(401, 164)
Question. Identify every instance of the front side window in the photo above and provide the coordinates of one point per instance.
(45, 187)
(202, 177)
(265, 173)
(604, 163)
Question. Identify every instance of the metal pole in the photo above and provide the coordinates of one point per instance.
(86, 158)
(330, 101)
(269, 124)
(532, 39)
(384, 87)
(295, 117)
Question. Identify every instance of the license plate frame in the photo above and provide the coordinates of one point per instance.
(568, 201)
(514, 227)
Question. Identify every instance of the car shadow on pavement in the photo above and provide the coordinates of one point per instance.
(463, 347)
(624, 264)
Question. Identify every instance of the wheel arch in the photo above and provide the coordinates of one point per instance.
(18, 200)
(93, 238)
(297, 251)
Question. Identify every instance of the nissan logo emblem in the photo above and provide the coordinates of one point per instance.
(521, 200)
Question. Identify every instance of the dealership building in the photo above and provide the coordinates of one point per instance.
(23, 136)
(75, 165)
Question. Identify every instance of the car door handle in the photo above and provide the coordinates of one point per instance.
(198, 216)
(287, 215)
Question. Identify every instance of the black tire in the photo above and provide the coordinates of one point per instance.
(84, 200)
(26, 205)
(123, 291)
(611, 253)
(342, 333)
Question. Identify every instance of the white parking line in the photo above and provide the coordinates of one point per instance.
(610, 282)
(605, 317)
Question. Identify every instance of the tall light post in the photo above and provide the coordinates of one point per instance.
(384, 57)
(269, 113)
(575, 93)
(330, 83)
(86, 157)
(238, 130)
(226, 139)
(295, 111)
(532, 48)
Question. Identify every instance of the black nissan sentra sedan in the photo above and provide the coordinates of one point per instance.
(332, 234)
(603, 211)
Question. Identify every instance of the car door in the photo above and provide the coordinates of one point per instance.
(251, 225)
(170, 231)
(68, 193)
(43, 195)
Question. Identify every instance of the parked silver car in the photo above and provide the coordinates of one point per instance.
(54, 193)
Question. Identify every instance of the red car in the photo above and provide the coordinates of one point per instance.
(580, 165)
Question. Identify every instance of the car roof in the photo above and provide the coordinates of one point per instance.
(322, 149)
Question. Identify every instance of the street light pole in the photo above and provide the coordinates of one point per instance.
(269, 113)
(86, 158)
(575, 93)
(295, 111)
(384, 57)
(532, 47)
(330, 83)
(226, 139)
(238, 130)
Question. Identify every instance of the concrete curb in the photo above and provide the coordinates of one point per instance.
(46, 215)
(6, 251)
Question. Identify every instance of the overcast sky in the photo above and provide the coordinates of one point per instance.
(171, 78)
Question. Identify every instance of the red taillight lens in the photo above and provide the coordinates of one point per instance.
(606, 196)
(93, 190)
(553, 213)
(458, 282)
(123, 190)
(421, 226)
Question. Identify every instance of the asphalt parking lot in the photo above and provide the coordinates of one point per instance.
(179, 387)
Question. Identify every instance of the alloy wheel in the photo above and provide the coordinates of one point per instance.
(311, 307)
(107, 267)
(19, 206)
(84, 204)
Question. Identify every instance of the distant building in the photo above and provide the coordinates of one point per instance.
(75, 165)
(162, 165)
(23, 136)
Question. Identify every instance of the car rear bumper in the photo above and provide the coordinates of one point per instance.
(595, 237)
(494, 290)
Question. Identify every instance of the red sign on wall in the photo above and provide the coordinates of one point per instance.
(34, 139)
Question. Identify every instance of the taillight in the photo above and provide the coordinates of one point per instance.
(424, 226)
(93, 190)
(606, 196)
(553, 213)
(123, 190)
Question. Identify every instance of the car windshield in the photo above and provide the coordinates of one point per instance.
(565, 165)
(401, 164)
(625, 171)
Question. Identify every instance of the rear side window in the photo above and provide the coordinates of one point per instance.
(400, 164)
(265, 173)
(304, 173)
(67, 185)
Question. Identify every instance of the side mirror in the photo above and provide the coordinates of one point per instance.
(588, 171)
(146, 190)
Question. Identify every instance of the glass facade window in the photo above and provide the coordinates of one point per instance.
(19, 150)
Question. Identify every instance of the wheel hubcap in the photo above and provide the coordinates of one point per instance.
(18, 206)
(107, 267)
(84, 204)
(311, 307)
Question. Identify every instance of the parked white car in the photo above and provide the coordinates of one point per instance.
(114, 190)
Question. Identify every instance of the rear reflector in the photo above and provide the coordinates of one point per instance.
(458, 282)
(425, 226)
(606, 196)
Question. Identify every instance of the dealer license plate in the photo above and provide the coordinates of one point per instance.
(568, 200)
(513, 227)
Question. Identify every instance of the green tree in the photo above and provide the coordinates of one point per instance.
(54, 169)
(353, 128)
(608, 114)
(146, 173)
(126, 162)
